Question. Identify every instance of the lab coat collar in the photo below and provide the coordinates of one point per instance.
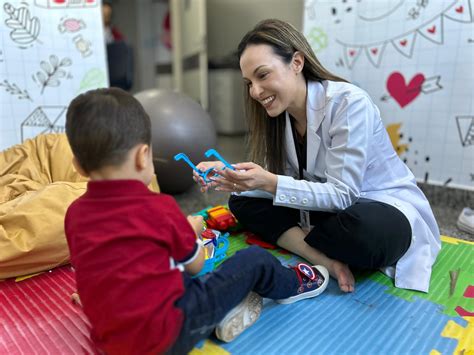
(315, 113)
(315, 110)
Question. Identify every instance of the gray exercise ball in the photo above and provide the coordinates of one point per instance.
(179, 124)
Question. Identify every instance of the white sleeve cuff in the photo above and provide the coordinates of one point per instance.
(193, 257)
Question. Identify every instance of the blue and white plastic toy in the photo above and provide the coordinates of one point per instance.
(204, 174)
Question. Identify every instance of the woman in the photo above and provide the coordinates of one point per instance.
(325, 182)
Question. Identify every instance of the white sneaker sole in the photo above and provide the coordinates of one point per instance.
(240, 318)
(465, 227)
(310, 294)
(465, 220)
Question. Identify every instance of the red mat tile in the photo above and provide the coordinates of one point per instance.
(38, 317)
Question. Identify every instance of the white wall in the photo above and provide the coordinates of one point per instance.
(49, 53)
(416, 60)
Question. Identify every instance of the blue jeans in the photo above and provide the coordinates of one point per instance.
(209, 298)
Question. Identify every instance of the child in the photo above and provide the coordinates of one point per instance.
(134, 252)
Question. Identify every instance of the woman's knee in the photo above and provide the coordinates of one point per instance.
(242, 205)
(236, 204)
(363, 236)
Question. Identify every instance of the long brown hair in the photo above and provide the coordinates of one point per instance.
(266, 136)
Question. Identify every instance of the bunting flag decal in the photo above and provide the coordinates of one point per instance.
(461, 12)
(405, 44)
(433, 31)
(351, 54)
(374, 53)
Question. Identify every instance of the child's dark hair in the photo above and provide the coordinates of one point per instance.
(103, 125)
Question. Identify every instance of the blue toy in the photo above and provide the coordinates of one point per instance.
(220, 248)
(208, 154)
(214, 153)
(203, 174)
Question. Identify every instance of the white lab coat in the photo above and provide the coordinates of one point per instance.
(350, 156)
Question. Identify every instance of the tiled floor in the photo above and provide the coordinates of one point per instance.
(447, 203)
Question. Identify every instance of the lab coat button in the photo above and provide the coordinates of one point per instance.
(304, 201)
(282, 197)
(293, 199)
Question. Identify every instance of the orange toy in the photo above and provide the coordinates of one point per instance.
(220, 218)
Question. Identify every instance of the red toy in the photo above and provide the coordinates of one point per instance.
(220, 218)
(253, 239)
(208, 234)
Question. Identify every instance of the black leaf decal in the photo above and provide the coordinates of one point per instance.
(25, 29)
(52, 72)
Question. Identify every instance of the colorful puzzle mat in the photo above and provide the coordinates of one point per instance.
(37, 315)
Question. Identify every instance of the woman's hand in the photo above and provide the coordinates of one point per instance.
(205, 166)
(245, 177)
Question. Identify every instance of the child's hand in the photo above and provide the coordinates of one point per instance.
(196, 265)
(197, 223)
(205, 166)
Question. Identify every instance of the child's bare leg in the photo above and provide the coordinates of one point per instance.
(293, 240)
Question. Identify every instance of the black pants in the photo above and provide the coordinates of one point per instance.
(366, 235)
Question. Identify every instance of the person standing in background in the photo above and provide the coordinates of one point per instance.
(111, 33)
(119, 53)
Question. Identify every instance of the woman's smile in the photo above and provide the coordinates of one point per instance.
(268, 101)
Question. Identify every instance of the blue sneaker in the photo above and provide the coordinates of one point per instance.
(313, 281)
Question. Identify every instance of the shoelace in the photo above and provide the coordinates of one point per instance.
(298, 274)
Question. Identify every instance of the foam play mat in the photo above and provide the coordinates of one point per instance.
(37, 315)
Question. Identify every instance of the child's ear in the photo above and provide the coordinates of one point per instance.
(143, 157)
(78, 167)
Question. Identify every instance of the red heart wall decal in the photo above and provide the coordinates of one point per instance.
(401, 92)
